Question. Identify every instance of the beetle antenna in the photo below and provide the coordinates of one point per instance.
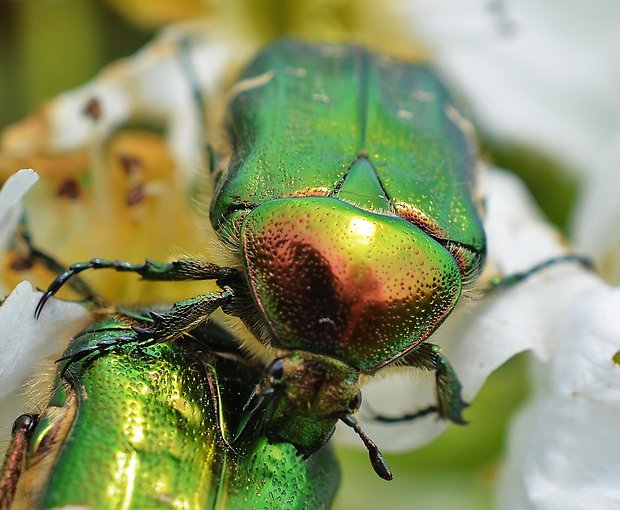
(376, 458)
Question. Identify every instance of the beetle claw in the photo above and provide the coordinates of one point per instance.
(157, 317)
(143, 332)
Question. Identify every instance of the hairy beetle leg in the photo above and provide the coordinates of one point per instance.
(14, 461)
(121, 336)
(178, 270)
(167, 326)
(450, 404)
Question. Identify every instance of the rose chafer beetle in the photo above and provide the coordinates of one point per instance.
(349, 203)
(156, 427)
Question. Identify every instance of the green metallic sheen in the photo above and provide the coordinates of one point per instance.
(362, 188)
(59, 397)
(141, 436)
(351, 199)
(304, 114)
(305, 413)
(350, 203)
(333, 279)
(148, 433)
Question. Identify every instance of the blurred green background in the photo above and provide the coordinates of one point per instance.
(48, 46)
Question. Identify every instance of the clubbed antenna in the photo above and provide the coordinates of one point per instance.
(376, 459)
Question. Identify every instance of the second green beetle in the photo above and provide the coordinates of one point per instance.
(350, 205)
(153, 428)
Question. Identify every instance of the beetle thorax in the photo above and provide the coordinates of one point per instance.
(331, 278)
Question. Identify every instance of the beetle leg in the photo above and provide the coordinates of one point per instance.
(405, 417)
(121, 336)
(178, 270)
(450, 404)
(31, 254)
(99, 347)
(14, 461)
(513, 279)
(184, 316)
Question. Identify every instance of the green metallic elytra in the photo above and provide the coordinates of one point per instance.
(147, 428)
(307, 113)
(350, 205)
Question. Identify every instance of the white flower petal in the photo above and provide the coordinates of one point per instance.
(564, 447)
(11, 194)
(540, 73)
(481, 335)
(25, 341)
(597, 216)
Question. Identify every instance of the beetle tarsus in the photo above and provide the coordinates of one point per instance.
(51, 290)
(35, 254)
(512, 279)
(178, 270)
(405, 417)
(99, 347)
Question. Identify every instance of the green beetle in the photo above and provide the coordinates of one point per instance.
(349, 203)
(158, 427)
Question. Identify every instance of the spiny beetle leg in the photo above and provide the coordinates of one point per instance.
(513, 279)
(178, 270)
(14, 460)
(183, 317)
(450, 404)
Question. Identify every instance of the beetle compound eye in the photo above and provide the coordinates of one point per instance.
(276, 369)
(356, 402)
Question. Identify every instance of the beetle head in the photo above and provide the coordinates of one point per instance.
(310, 393)
(304, 396)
